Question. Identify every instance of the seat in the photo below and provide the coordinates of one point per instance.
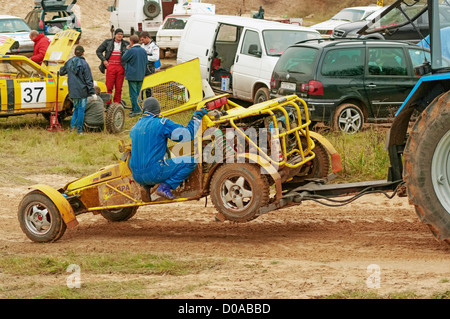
(253, 49)
(392, 67)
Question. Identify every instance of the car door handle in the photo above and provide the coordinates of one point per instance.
(371, 85)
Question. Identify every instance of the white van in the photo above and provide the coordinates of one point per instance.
(133, 16)
(237, 54)
(170, 31)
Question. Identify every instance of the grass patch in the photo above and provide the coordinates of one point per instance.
(364, 294)
(129, 289)
(119, 263)
(102, 275)
(363, 155)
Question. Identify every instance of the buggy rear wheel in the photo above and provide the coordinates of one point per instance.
(119, 215)
(238, 191)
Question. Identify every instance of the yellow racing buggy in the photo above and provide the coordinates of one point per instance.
(248, 160)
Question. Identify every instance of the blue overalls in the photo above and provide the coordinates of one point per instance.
(148, 147)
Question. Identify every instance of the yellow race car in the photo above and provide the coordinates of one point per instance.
(29, 88)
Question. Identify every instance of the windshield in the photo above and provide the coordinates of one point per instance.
(277, 41)
(297, 60)
(177, 23)
(404, 12)
(375, 14)
(13, 25)
(349, 15)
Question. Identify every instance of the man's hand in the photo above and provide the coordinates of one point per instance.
(105, 63)
(200, 113)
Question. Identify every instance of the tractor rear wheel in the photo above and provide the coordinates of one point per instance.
(238, 191)
(119, 215)
(40, 219)
(427, 167)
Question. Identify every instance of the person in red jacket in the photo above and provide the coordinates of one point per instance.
(41, 43)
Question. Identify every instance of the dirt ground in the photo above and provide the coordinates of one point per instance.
(306, 251)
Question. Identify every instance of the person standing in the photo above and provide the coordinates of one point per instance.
(135, 61)
(110, 53)
(152, 50)
(41, 43)
(80, 84)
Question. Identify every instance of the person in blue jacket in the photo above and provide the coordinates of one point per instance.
(80, 84)
(135, 61)
(149, 144)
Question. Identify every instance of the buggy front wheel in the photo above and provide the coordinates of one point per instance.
(40, 219)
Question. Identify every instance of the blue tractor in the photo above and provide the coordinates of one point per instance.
(420, 155)
(419, 139)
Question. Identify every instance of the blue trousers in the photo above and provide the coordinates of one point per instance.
(79, 107)
(135, 89)
(172, 171)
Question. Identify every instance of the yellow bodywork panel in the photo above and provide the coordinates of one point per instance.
(7, 43)
(175, 87)
(59, 50)
(60, 202)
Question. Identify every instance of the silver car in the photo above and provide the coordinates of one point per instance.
(18, 29)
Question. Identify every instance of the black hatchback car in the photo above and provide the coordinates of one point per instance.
(348, 82)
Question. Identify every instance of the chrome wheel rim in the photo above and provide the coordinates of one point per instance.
(118, 119)
(38, 219)
(350, 121)
(236, 193)
(440, 171)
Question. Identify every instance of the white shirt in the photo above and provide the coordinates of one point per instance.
(152, 51)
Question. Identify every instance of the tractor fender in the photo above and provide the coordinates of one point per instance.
(60, 202)
(423, 93)
(336, 164)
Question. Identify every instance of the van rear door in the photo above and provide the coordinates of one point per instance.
(197, 42)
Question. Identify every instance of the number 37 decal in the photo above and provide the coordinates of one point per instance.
(33, 94)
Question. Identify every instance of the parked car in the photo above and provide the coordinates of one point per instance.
(237, 54)
(52, 16)
(345, 15)
(407, 32)
(16, 28)
(134, 16)
(348, 82)
(169, 33)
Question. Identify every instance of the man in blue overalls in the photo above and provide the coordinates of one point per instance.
(149, 144)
